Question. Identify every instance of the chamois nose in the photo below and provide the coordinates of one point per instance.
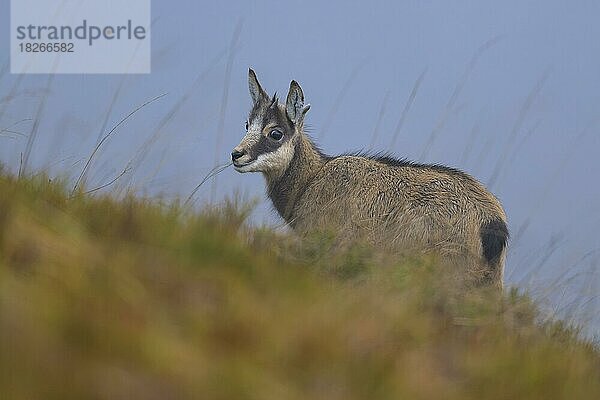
(236, 154)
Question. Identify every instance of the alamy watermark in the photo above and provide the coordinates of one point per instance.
(71, 36)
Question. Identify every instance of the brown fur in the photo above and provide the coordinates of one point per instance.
(393, 203)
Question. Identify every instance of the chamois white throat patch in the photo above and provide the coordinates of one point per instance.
(276, 162)
(272, 164)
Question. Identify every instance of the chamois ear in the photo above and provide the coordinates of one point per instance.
(256, 91)
(294, 106)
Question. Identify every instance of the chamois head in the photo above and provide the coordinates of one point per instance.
(272, 130)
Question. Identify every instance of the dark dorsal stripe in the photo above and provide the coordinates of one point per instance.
(391, 161)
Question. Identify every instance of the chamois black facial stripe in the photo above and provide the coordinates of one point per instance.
(403, 162)
(264, 146)
(275, 117)
(494, 236)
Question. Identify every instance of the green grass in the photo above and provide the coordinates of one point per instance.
(132, 299)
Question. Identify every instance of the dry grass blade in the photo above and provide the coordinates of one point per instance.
(143, 150)
(213, 172)
(553, 180)
(407, 106)
(20, 164)
(89, 160)
(524, 140)
(455, 94)
(11, 95)
(225, 99)
(340, 97)
(3, 69)
(126, 170)
(11, 131)
(380, 115)
(36, 123)
(117, 92)
(475, 130)
(533, 94)
(111, 105)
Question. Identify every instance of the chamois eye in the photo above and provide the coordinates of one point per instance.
(275, 134)
(246, 126)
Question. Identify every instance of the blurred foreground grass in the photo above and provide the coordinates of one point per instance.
(131, 299)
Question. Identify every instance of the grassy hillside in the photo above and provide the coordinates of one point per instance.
(130, 299)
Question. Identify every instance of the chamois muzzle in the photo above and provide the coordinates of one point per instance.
(235, 154)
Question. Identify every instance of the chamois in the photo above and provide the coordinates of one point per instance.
(402, 204)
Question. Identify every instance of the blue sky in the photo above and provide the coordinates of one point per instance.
(511, 86)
